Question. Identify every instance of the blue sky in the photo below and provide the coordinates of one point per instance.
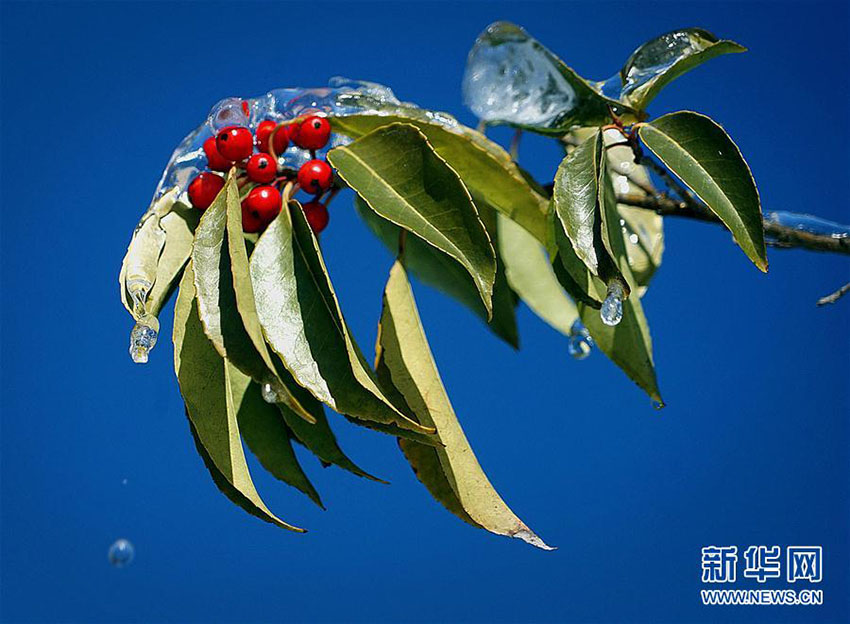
(752, 448)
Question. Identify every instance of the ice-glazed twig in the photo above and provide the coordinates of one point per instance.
(833, 297)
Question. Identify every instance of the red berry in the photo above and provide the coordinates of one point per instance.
(317, 215)
(204, 189)
(315, 176)
(215, 161)
(312, 133)
(235, 142)
(264, 131)
(261, 168)
(260, 207)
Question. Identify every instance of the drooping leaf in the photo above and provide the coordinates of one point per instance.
(267, 435)
(529, 272)
(318, 437)
(702, 155)
(511, 78)
(628, 343)
(400, 176)
(304, 326)
(451, 471)
(205, 383)
(576, 202)
(663, 59)
(225, 295)
(175, 222)
(485, 168)
(433, 267)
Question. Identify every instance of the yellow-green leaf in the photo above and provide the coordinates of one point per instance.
(450, 471)
(400, 176)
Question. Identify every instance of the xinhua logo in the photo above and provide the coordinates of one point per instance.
(762, 563)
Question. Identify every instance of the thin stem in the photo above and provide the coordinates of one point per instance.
(402, 240)
(833, 297)
(514, 151)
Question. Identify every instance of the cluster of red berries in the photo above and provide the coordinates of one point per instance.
(234, 146)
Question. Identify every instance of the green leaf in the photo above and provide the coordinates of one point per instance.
(205, 382)
(176, 223)
(547, 96)
(451, 472)
(267, 435)
(303, 324)
(529, 273)
(225, 294)
(433, 267)
(703, 156)
(485, 168)
(397, 172)
(575, 197)
(663, 59)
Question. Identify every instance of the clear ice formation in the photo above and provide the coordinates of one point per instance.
(611, 311)
(510, 77)
(808, 223)
(341, 97)
(653, 58)
(580, 343)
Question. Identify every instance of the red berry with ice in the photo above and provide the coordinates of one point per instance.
(315, 176)
(260, 208)
(204, 189)
(235, 142)
(215, 161)
(317, 215)
(312, 133)
(261, 168)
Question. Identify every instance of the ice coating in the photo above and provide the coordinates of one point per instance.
(341, 97)
(511, 78)
(655, 57)
(808, 223)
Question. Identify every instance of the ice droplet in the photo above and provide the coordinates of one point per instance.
(580, 343)
(121, 553)
(657, 405)
(611, 311)
(227, 112)
(270, 395)
(510, 77)
(143, 338)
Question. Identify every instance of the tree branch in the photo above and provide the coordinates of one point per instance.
(832, 298)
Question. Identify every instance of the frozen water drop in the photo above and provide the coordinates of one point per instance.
(580, 343)
(658, 405)
(269, 393)
(510, 77)
(611, 311)
(123, 481)
(121, 553)
(143, 338)
(227, 112)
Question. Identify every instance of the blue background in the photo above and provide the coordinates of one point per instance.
(753, 448)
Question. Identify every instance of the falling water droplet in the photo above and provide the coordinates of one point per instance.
(580, 343)
(611, 311)
(269, 393)
(121, 553)
(143, 338)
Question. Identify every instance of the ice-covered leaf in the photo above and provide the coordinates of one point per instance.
(703, 156)
(451, 472)
(226, 298)
(485, 168)
(511, 78)
(400, 176)
(158, 251)
(529, 273)
(665, 58)
(433, 267)
(304, 326)
(267, 435)
(205, 382)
